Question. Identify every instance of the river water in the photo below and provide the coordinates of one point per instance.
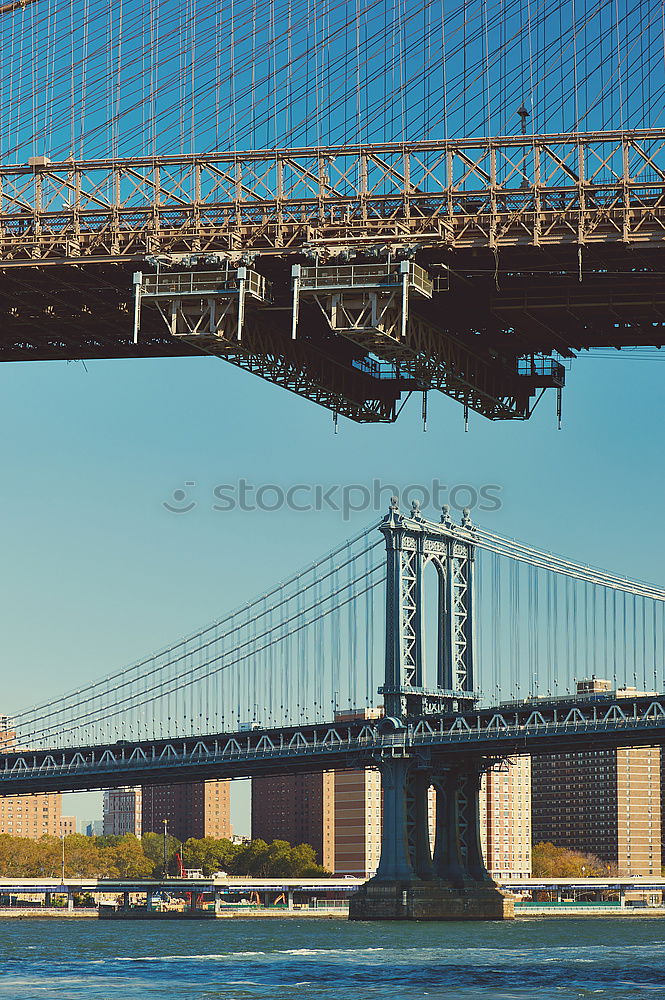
(547, 958)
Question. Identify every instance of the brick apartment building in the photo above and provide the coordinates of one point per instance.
(192, 809)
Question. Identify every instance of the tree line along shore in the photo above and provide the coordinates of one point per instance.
(128, 856)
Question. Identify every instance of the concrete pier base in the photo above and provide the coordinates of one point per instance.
(379, 900)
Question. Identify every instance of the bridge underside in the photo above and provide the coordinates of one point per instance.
(469, 338)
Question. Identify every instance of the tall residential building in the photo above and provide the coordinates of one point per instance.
(505, 819)
(298, 808)
(603, 802)
(357, 813)
(338, 813)
(348, 805)
(357, 817)
(122, 811)
(31, 816)
(193, 809)
(67, 825)
(662, 802)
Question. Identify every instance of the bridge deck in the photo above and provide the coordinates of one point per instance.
(498, 732)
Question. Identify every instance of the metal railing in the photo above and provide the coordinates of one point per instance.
(203, 283)
(334, 277)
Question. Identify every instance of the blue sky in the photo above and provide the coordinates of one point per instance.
(293, 73)
(98, 572)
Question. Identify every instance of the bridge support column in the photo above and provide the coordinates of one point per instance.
(447, 853)
(475, 864)
(421, 853)
(409, 884)
(395, 863)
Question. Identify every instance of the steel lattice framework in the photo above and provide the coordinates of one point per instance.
(476, 193)
(481, 735)
(528, 249)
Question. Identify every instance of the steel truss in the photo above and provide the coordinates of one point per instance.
(583, 188)
(539, 726)
(545, 244)
(411, 544)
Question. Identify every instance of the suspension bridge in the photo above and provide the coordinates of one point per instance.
(472, 644)
(356, 200)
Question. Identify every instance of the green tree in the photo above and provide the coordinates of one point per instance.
(251, 859)
(83, 859)
(110, 840)
(209, 854)
(153, 848)
(18, 856)
(48, 857)
(276, 860)
(304, 863)
(126, 858)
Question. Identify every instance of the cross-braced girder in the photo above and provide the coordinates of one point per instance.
(550, 244)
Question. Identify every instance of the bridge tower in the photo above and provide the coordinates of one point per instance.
(414, 881)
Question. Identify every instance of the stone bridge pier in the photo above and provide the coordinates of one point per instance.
(414, 881)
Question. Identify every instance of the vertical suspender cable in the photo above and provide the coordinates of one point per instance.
(192, 78)
(634, 631)
(615, 617)
(594, 657)
(444, 70)
(576, 106)
(619, 64)
(72, 83)
(655, 646)
(232, 79)
(486, 67)
(644, 642)
(534, 109)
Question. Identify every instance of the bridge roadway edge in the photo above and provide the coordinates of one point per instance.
(81, 768)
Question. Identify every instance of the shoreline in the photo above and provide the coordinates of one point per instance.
(16, 913)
